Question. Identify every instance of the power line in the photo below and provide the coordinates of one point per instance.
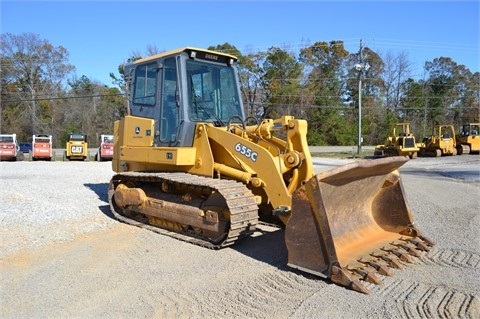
(298, 96)
(64, 98)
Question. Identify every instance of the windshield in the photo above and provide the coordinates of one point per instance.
(470, 129)
(6, 139)
(108, 139)
(212, 92)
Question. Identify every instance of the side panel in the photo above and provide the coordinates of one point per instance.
(106, 150)
(130, 131)
(77, 149)
(184, 156)
(7, 150)
(42, 146)
(134, 150)
(244, 155)
(42, 149)
(8, 146)
(117, 142)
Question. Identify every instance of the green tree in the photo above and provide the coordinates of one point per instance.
(281, 83)
(93, 108)
(449, 94)
(324, 64)
(226, 48)
(442, 85)
(329, 119)
(33, 71)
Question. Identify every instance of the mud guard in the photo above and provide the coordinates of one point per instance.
(352, 222)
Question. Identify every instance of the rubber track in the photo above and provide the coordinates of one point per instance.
(240, 200)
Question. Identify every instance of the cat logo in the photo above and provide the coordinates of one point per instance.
(76, 149)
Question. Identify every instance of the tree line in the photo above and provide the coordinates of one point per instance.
(319, 83)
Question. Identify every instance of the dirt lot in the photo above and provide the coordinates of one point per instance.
(63, 255)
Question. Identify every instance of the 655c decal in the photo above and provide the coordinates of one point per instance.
(246, 151)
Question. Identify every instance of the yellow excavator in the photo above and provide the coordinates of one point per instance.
(190, 165)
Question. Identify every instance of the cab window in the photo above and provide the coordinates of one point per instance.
(169, 114)
(145, 84)
(212, 92)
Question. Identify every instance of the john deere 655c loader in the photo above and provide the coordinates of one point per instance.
(190, 165)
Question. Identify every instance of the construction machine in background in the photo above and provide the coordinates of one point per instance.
(9, 148)
(468, 139)
(440, 143)
(76, 147)
(42, 147)
(190, 165)
(401, 142)
(105, 150)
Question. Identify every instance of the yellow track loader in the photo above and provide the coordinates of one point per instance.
(468, 141)
(190, 165)
(401, 142)
(440, 143)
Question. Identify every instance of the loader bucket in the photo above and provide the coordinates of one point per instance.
(352, 223)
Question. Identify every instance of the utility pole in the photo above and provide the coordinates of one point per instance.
(360, 67)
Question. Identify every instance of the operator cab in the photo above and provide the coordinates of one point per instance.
(181, 88)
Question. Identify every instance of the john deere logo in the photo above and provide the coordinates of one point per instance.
(137, 130)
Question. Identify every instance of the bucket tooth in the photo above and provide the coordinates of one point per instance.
(343, 277)
(400, 253)
(376, 264)
(417, 242)
(411, 250)
(358, 286)
(393, 261)
(420, 244)
(427, 240)
(381, 268)
(368, 275)
(405, 257)
(407, 246)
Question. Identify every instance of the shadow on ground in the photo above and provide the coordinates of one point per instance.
(101, 189)
(266, 245)
(269, 247)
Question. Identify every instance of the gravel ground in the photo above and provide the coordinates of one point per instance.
(63, 255)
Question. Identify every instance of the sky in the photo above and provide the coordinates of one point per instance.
(101, 35)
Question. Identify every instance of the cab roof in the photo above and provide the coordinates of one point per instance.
(185, 49)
